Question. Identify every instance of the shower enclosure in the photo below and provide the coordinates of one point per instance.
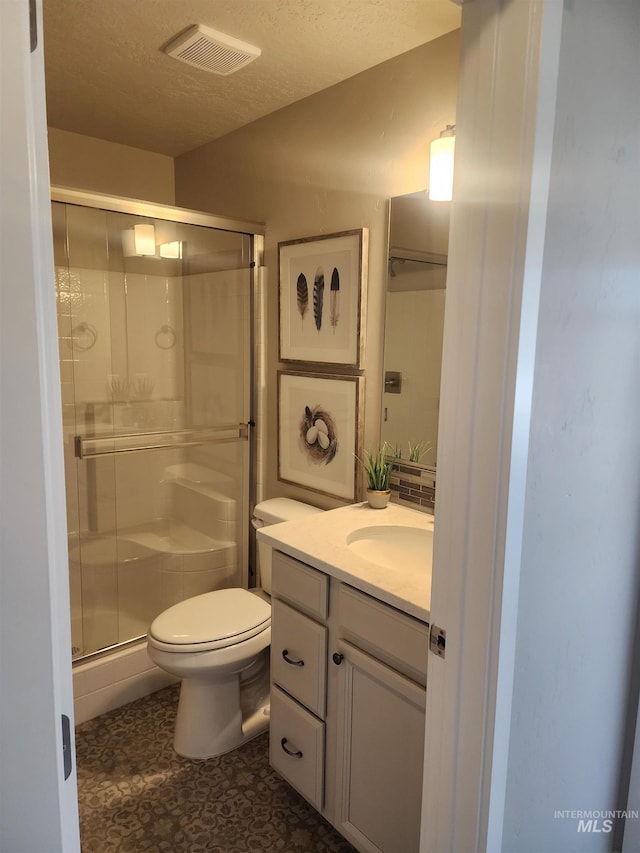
(155, 342)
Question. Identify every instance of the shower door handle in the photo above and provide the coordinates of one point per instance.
(90, 446)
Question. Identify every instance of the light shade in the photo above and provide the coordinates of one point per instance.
(171, 250)
(139, 240)
(441, 166)
(145, 239)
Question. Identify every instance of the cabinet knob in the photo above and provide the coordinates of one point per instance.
(290, 661)
(337, 658)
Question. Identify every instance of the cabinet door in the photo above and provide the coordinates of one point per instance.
(380, 755)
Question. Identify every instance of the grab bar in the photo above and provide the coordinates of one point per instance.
(92, 446)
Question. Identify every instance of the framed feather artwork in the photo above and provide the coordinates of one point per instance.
(322, 298)
(320, 432)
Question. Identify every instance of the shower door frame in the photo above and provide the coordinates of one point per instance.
(255, 232)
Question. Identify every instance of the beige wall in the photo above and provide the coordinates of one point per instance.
(330, 163)
(96, 165)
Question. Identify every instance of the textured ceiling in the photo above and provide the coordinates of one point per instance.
(108, 77)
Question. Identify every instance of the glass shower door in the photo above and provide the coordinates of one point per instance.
(155, 361)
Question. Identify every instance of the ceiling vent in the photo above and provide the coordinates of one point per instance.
(212, 51)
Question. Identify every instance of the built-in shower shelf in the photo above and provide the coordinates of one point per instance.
(202, 489)
(169, 537)
(178, 539)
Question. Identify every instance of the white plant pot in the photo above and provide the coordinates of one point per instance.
(378, 500)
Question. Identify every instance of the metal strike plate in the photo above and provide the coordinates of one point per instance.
(392, 381)
(66, 746)
(437, 640)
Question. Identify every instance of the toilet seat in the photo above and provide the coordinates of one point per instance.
(214, 620)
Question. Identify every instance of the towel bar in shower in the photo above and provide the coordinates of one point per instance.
(91, 446)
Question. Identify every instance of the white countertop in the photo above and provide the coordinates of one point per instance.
(321, 541)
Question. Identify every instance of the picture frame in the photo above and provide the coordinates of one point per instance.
(314, 405)
(322, 298)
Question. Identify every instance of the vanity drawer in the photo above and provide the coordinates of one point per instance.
(296, 747)
(299, 656)
(301, 585)
(392, 636)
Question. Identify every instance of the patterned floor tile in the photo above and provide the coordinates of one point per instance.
(136, 794)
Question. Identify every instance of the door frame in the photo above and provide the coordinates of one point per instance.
(490, 524)
(38, 807)
(504, 129)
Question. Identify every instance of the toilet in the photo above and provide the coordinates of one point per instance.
(218, 644)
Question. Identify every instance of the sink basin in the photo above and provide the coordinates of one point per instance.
(393, 546)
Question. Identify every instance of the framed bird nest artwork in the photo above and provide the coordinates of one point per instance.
(322, 298)
(320, 432)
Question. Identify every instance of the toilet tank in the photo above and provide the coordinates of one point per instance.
(275, 511)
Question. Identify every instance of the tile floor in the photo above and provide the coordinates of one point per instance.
(136, 794)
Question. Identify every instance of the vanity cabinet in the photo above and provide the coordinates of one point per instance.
(348, 695)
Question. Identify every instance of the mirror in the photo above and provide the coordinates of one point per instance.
(418, 243)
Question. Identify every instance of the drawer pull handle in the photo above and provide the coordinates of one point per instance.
(337, 658)
(290, 661)
(283, 744)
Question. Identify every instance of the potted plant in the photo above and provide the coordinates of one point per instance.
(417, 450)
(378, 471)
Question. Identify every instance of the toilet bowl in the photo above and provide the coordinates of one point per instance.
(218, 644)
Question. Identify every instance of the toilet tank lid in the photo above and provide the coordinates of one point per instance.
(275, 510)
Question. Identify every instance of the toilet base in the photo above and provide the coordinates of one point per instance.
(215, 718)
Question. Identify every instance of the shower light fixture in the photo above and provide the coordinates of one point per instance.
(171, 250)
(145, 239)
(139, 240)
(441, 165)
